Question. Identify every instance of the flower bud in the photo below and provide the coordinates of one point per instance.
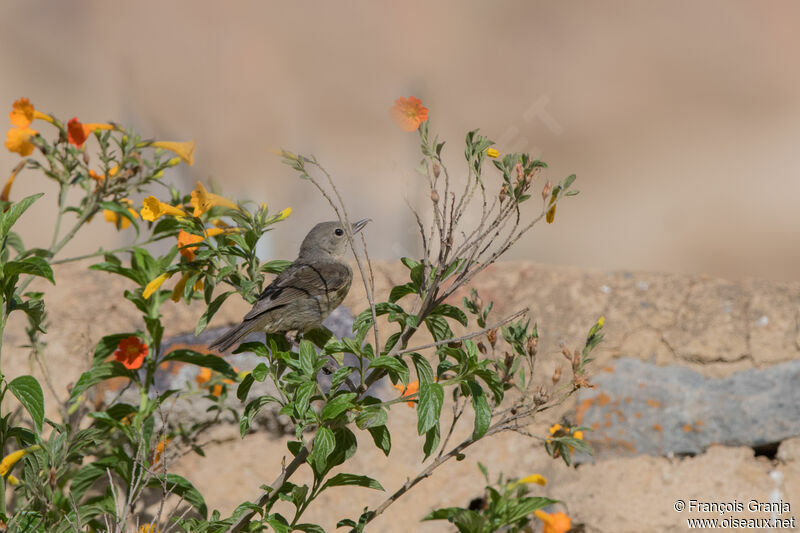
(436, 169)
(159, 174)
(548, 188)
(175, 161)
(530, 346)
(434, 196)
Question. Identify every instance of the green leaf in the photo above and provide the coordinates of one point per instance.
(275, 266)
(258, 348)
(568, 181)
(439, 328)
(423, 368)
(399, 291)
(526, 506)
(15, 211)
(32, 266)
(208, 360)
(260, 372)
(244, 387)
(451, 311)
(182, 488)
(338, 405)
(29, 393)
(212, 309)
(429, 408)
(84, 479)
(483, 414)
(382, 438)
(392, 364)
(342, 480)
(324, 444)
(431, 441)
(308, 358)
(303, 397)
(97, 374)
(309, 528)
(251, 410)
(371, 416)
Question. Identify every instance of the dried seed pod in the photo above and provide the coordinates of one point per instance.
(435, 196)
(455, 344)
(508, 360)
(482, 348)
(436, 170)
(540, 397)
(576, 360)
(530, 346)
(518, 168)
(565, 352)
(491, 336)
(557, 375)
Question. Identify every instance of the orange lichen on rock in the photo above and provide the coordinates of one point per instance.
(657, 427)
(652, 402)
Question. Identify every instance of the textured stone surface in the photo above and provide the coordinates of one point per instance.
(638, 408)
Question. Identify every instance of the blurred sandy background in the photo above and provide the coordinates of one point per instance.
(680, 118)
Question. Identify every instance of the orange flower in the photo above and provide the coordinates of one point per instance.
(409, 113)
(554, 523)
(204, 376)
(412, 389)
(131, 352)
(23, 113)
(7, 189)
(185, 239)
(158, 453)
(202, 200)
(19, 140)
(77, 133)
(120, 222)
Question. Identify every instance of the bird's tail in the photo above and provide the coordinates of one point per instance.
(232, 336)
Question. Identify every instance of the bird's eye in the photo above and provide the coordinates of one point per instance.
(339, 232)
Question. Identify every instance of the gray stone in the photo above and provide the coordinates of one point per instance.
(640, 408)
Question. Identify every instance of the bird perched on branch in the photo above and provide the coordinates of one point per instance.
(304, 294)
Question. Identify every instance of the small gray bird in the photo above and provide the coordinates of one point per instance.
(304, 294)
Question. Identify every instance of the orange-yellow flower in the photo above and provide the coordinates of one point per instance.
(409, 113)
(493, 153)
(533, 478)
(554, 523)
(184, 150)
(177, 292)
(149, 528)
(23, 113)
(284, 214)
(19, 140)
(412, 389)
(77, 133)
(13, 458)
(131, 352)
(7, 189)
(120, 221)
(153, 209)
(155, 284)
(202, 200)
(101, 177)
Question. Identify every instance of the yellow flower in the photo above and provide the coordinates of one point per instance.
(177, 292)
(533, 478)
(184, 150)
(7, 189)
(202, 200)
(153, 209)
(578, 435)
(284, 214)
(11, 459)
(120, 222)
(13, 481)
(493, 153)
(155, 284)
(601, 321)
(149, 528)
(23, 113)
(19, 140)
(554, 428)
(554, 523)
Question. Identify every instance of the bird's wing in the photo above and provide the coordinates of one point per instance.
(298, 281)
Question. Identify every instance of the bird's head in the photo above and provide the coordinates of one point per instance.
(328, 238)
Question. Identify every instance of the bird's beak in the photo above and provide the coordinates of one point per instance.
(358, 226)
